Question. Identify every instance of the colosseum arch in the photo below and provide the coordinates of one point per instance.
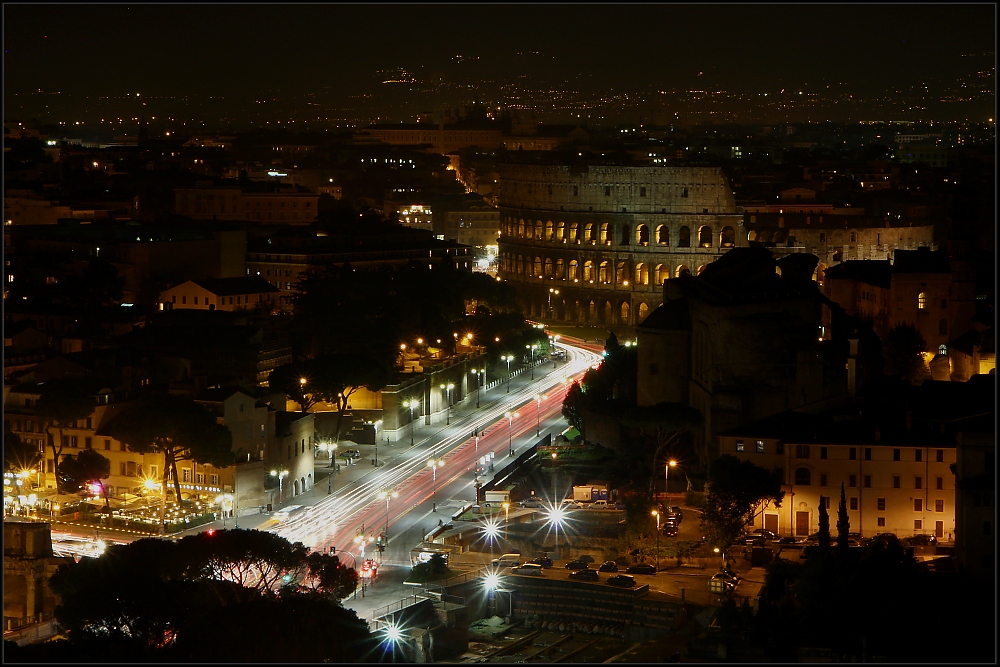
(660, 273)
(548, 267)
(727, 237)
(682, 271)
(642, 235)
(548, 230)
(520, 264)
(560, 269)
(604, 273)
(538, 268)
(577, 313)
(588, 271)
(604, 233)
(539, 229)
(752, 235)
(574, 270)
(560, 231)
(621, 273)
(700, 269)
(663, 235)
(588, 231)
(626, 235)
(624, 313)
(643, 311)
(592, 312)
(705, 237)
(642, 274)
(574, 230)
(684, 237)
(609, 313)
(520, 228)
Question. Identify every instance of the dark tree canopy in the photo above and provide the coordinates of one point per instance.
(87, 467)
(62, 401)
(737, 491)
(901, 353)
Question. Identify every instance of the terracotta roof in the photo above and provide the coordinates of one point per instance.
(234, 286)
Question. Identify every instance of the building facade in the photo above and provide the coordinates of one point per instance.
(607, 237)
(229, 203)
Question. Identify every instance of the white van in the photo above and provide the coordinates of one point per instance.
(507, 560)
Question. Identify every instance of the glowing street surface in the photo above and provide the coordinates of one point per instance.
(337, 519)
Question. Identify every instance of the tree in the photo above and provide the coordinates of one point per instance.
(662, 426)
(902, 352)
(434, 568)
(843, 523)
(62, 401)
(179, 429)
(824, 526)
(328, 576)
(737, 492)
(573, 406)
(87, 467)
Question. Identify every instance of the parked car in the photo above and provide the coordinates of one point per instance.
(544, 561)
(674, 512)
(576, 565)
(533, 504)
(641, 568)
(584, 575)
(609, 566)
(530, 569)
(922, 540)
(753, 540)
(885, 537)
(787, 539)
(762, 533)
(620, 580)
(351, 453)
(619, 505)
(598, 505)
(507, 560)
(670, 530)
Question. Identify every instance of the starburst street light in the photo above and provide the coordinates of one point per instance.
(510, 430)
(387, 494)
(448, 387)
(508, 358)
(555, 517)
(410, 404)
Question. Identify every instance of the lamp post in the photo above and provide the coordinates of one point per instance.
(553, 475)
(538, 414)
(666, 477)
(532, 348)
(510, 430)
(552, 291)
(387, 494)
(281, 484)
(657, 515)
(475, 372)
(412, 403)
(508, 358)
(448, 387)
(434, 464)
(506, 521)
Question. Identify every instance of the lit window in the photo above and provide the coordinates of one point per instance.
(922, 300)
(739, 445)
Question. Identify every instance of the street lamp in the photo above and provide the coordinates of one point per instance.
(552, 291)
(556, 515)
(666, 477)
(510, 430)
(281, 485)
(553, 475)
(506, 521)
(434, 464)
(532, 348)
(508, 358)
(479, 383)
(387, 494)
(152, 484)
(657, 515)
(448, 387)
(538, 414)
(412, 403)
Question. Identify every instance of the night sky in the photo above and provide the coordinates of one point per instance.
(238, 50)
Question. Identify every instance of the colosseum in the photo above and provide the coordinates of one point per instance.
(593, 243)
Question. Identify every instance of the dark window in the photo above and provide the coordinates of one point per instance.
(881, 522)
(918, 524)
(938, 505)
(801, 451)
(854, 504)
(918, 504)
(918, 455)
(107, 444)
(880, 504)
(779, 448)
(88, 442)
(853, 454)
(802, 477)
(822, 452)
(852, 480)
(576, 190)
(607, 190)
(895, 454)
(868, 453)
(642, 192)
(918, 482)
(939, 483)
(868, 481)
(822, 479)
(90, 423)
(940, 456)
(684, 192)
